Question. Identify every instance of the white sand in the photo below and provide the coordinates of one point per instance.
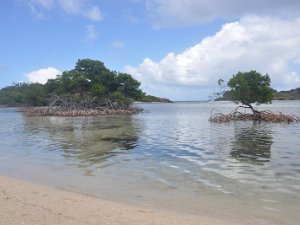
(25, 203)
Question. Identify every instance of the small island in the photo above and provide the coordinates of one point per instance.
(247, 88)
(90, 89)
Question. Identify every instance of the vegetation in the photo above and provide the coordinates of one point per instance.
(150, 98)
(293, 94)
(248, 88)
(90, 85)
(24, 94)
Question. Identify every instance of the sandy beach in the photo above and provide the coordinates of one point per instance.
(26, 203)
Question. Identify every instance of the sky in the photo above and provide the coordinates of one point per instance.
(177, 49)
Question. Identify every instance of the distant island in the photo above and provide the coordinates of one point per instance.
(293, 94)
(151, 98)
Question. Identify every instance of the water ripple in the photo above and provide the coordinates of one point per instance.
(174, 145)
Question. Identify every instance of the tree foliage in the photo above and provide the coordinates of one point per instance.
(23, 94)
(90, 82)
(250, 87)
(247, 88)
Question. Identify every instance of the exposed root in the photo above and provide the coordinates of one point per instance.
(68, 112)
(266, 116)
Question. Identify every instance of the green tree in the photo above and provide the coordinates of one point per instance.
(92, 68)
(24, 94)
(74, 82)
(129, 87)
(250, 87)
(96, 73)
(34, 94)
(120, 100)
(53, 85)
(89, 84)
(90, 79)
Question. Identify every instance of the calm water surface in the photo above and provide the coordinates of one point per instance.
(172, 157)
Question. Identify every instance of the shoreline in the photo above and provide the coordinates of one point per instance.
(27, 203)
(77, 112)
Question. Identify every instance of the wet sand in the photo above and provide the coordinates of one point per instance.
(26, 203)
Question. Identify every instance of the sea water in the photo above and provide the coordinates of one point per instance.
(170, 158)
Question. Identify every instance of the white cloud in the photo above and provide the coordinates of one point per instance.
(43, 3)
(42, 75)
(188, 12)
(259, 43)
(81, 7)
(35, 7)
(94, 13)
(71, 7)
(91, 33)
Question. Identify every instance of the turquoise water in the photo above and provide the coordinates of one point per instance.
(171, 157)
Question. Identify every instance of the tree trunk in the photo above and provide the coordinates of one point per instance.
(256, 113)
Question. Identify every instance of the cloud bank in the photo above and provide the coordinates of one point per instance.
(41, 76)
(264, 44)
(174, 13)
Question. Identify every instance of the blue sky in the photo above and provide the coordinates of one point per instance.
(177, 48)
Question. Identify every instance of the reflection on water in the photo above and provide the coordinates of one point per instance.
(84, 142)
(252, 144)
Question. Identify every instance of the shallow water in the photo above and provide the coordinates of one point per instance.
(172, 157)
